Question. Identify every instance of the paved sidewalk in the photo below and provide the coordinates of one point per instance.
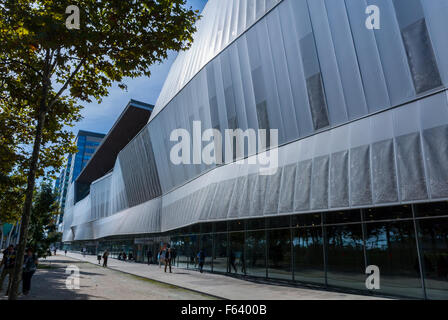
(220, 285)
(97, 283)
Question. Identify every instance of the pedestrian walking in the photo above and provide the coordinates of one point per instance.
(55, 250)
(84, 252)
(168, 259)
(29, 268)
(149, 256)
(124, 256)
(65, 252)
(8, 261)
(105, 257)
(201, 260)
(98, 256)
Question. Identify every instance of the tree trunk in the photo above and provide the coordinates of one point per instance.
(31, 179)
(18, 234)
(8, 238)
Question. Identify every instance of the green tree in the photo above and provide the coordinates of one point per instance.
(43, 228)
(48, 68)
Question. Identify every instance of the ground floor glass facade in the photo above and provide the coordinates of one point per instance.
(408, 243)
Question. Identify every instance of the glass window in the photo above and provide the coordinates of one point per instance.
(221, 226)
(191, 248)
(220, 253)
(307, 220)
(236, 225)
(279, 262)
(432, 209)
(263, 123)
(308, 255)
(256, 224)
(207, 227)
(433, 235)
(388, 213)
(207, 247)
(237, 263)
(392, 247)
(279, 222)
(255, 255)
(314, 84)
(194, 228)
(345, 266)
(342, 216)
(417, 42)
(182, 256)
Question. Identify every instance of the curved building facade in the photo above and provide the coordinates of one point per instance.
(362, 120)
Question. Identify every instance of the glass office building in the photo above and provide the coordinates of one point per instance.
(87, 142)
(362, 120)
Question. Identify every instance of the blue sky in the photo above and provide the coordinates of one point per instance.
(101, 117)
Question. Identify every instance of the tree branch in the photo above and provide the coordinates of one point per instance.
(64, 87)
(5, 61)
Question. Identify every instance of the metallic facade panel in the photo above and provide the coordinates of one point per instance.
(359, 119)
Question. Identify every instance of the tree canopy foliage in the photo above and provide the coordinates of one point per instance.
(43, 227)
(48, 70)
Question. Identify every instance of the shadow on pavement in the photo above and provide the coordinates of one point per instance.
(49, 283)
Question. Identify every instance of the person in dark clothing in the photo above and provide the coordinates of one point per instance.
(124, 256)
(149, 256)
(29, 267)
(131, 256)
(201, 260)
(99, 258)
(9, 259)
(105, 257)
(168, 259)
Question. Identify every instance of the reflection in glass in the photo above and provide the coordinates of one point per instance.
(303, 220)
(433, 234)
(392, 247)
(181, 246)
(192, 246)
(255, 255)
(207, 247)
(236, 255)
(342, 216)
(279, 262)
(388, 213)
(345, 256)
(308, 255)
(220, 253)
(432, 209)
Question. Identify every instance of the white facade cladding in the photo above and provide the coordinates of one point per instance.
(362, 117)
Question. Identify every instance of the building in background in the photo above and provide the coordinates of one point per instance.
(362, 117)
(87, 142)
